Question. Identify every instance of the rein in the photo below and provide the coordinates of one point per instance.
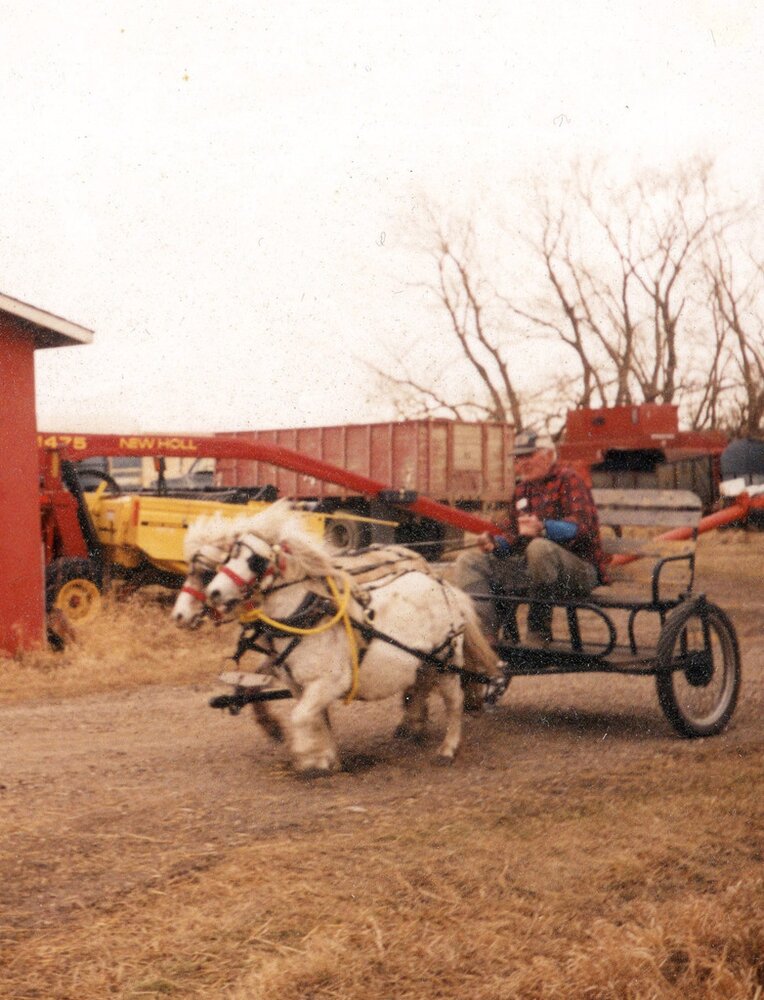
(368, 632)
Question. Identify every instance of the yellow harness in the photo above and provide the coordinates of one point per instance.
(341, 600)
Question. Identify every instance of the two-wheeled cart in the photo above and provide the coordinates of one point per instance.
(665, 630)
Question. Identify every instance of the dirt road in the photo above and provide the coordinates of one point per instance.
(106, 796)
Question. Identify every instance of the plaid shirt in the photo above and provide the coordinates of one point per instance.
(560, 496)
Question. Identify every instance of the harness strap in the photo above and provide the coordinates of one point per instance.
(313, 608)
(302, 621)
(369, 633)
(317, 607)
(198, 595)
(240, 582)
(248, 641)
(355, 661)
(281, 658)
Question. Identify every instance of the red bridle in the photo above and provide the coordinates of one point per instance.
(240, 582)
(247, 585)
(198, 595)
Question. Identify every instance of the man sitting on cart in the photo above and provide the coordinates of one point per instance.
(547, 545)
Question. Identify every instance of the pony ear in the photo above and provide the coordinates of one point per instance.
(200, 532)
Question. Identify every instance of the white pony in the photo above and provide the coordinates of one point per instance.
(412, 632)
(207, 544)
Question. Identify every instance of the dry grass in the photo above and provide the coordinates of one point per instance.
(543, 870)
(530, 894)
(131, 644)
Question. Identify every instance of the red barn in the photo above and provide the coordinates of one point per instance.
(23, 329)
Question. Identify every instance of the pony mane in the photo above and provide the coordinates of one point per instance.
(278, 522)
(310, 553)
(213, 529)
(281, 523)
(273, 521)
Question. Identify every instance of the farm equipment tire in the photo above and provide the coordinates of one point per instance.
(698, 661)
(74, 586)
(345, 534)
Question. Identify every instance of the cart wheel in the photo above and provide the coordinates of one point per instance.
(74, 587)
(698, 659)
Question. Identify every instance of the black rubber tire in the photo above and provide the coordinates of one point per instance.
(698, 700)
(345, 535)
(69, 570)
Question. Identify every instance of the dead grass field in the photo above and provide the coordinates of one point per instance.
(151, 847)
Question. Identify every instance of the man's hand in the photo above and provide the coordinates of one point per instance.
(529, 526)
(486, 542)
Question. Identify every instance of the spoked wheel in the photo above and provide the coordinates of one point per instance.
(74, 587)
(698, 660)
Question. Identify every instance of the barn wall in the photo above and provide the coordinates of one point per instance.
(21, 572)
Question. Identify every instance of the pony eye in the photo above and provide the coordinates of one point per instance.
(257, 564)
(207, 577)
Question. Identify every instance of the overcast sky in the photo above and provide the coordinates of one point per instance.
(225, 193)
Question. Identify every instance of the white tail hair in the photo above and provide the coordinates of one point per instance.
(478, 653)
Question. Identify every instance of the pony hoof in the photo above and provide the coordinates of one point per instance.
(473, 700)
(443, 761)
(473, 709)
(310, 773)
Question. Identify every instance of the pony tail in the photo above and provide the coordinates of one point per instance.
(479, 655)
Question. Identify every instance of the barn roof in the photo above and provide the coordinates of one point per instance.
(47, 330)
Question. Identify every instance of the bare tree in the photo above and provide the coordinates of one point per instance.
(640, 282)
(736, 303)
(710, 390)
(414, 398)
(568, 315)
(474, 322)
(619, 265)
